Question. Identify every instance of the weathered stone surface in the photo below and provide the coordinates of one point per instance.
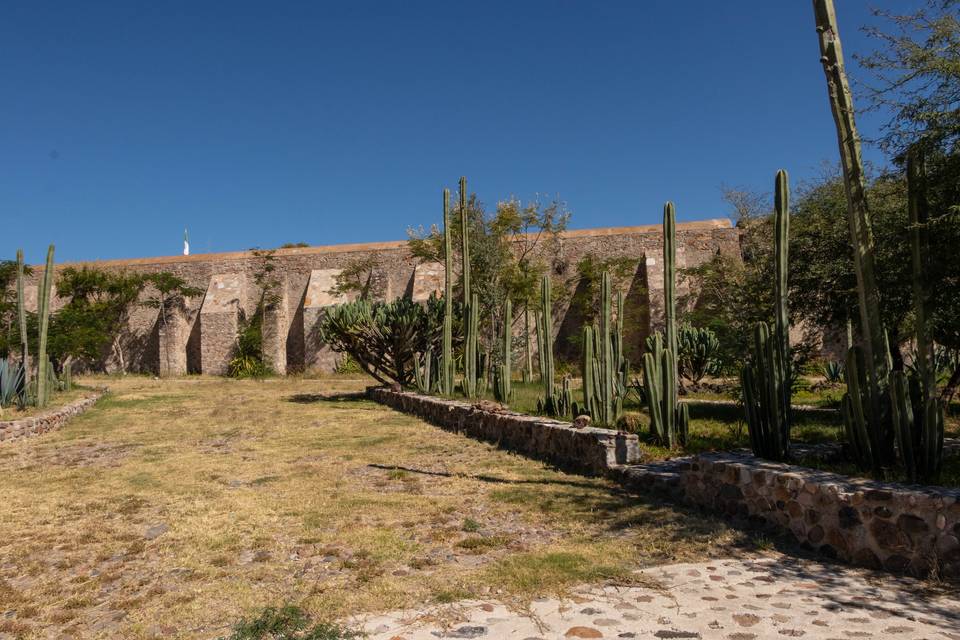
(219, 321)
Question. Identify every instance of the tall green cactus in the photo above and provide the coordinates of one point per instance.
(502, 389)
(874, 397)
(669, 419)
(915, 406)
(544, 321)
(465, 241)
(422, 371)
(766, 381)
(43, 311)
(589, 389)
(22, 320)
(447, 367)
(470, 350)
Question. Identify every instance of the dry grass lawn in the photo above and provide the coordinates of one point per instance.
(173, 508)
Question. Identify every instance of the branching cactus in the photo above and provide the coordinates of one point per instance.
(43, 312)
(766, 381)
(669, 419)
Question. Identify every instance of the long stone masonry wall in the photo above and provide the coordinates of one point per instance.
(199, 336)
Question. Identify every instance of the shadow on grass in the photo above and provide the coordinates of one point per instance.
(498, 480)
(313, 398)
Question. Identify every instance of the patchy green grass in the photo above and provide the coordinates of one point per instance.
(176, 507)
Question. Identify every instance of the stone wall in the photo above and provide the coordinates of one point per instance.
(198, 337)
(587, 449)
(904, 529)
(47, 421)
(899, 528)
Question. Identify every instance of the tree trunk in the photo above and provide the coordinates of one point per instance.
(858, 217)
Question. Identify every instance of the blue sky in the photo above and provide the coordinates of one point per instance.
(255, 124)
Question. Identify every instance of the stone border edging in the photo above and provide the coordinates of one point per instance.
(587, 449)
(49, 420)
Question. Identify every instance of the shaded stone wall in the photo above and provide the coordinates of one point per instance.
(199, 338)
(900, 528)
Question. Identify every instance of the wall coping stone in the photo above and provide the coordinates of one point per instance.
(48, 420)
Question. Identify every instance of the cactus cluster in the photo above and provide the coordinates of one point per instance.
(669, 418)
(766, 380)
(605, 370)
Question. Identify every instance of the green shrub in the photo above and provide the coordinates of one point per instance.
(287, 623)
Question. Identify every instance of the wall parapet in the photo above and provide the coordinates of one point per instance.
(48, 421)
(588, 449)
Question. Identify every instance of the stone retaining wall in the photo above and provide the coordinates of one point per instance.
(587, 449)
(48, 421)
(901, 528)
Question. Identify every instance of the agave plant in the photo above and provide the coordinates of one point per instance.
(12, 383)
(833, 371)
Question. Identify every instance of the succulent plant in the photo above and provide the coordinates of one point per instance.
(43, 311)
(766, 380)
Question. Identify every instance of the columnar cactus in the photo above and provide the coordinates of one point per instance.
(589, 389)
(22, 320)
(43, 311)
(544, 321)
(501, 380)
(915, 406)
(669, 419)
(447, 367)
(470, 350)
(766, 381)
(876, 369)
(422, 371)
(465, 241)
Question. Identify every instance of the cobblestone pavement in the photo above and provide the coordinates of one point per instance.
(777, 597)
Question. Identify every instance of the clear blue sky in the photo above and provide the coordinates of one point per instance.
(255, 124)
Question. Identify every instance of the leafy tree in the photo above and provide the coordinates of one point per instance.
(510, 250)
(916, 77)
(357, 277)
(94, 317)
